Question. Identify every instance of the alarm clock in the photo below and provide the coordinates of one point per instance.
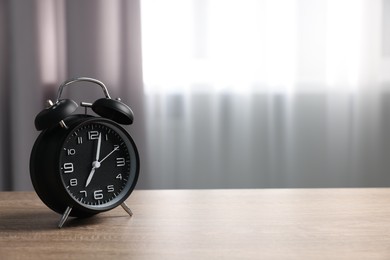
(84, 164)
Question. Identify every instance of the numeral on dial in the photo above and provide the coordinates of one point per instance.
(71, 152)
(98, 194)
(84, 192)
(68, 167)
(73, 182)
(93, 135)
(119, 176)
(79, 140)
(120, 162)
(110, 188)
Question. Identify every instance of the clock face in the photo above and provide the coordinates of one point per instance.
(98, 164)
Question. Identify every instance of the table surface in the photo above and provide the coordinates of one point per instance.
(206, 224)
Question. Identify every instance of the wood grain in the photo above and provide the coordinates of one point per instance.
(206, 224)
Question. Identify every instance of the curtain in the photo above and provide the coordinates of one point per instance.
(42, 44)
(259, 94)
(226, 94)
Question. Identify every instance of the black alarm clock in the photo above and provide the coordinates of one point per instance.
(81, 164)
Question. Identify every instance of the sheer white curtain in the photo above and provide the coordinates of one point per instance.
(267, 93)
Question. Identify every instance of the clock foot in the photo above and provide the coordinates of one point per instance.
(64, 217)
(127, 209)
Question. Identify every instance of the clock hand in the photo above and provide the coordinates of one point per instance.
(98, 147)
(90, 176)
(116, 148)
(96, 163)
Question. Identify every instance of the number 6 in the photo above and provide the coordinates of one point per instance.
(98, 194)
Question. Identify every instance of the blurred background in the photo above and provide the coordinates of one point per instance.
(226, 93)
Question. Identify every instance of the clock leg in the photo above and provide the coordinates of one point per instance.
(64, 217)
(127, 209)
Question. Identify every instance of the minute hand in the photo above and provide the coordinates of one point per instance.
(116, 148)
(96, 163)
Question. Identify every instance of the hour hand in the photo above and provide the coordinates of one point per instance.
(95, 165)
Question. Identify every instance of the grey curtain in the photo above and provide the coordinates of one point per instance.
(43, 43)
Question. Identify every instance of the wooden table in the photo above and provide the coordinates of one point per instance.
(206, 224)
